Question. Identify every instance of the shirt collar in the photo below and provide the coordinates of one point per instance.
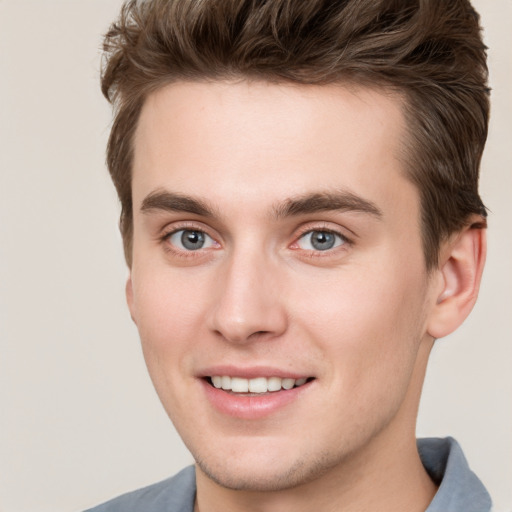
(460, 490)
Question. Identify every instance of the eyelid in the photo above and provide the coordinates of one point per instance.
(327, 227)
(174, 227)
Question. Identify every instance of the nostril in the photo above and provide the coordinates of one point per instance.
(257, 334)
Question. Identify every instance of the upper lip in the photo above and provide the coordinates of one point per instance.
(251, 372)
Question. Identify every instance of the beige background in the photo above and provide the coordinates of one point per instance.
(79, 421)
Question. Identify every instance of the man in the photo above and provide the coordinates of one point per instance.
(301, 220)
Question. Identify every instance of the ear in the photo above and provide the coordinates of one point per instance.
(460, 271)
(129, 298)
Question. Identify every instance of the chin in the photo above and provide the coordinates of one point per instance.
(267, 476)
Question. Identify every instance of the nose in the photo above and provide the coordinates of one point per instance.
(249, 303)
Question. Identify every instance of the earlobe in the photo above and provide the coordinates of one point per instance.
(462, 263)
(129, 298)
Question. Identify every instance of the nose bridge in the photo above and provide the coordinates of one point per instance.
(248, 301)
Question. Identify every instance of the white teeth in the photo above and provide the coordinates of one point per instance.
(256, 385)
(274, 383)
(226, 382)
(288, 383)
(239, 385)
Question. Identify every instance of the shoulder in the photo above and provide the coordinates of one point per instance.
(175, 494)
(460, 490)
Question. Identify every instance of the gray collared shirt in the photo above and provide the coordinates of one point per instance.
(460, 490)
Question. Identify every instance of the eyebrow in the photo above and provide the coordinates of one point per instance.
(326, 201)
(171, 202)
(295, 206)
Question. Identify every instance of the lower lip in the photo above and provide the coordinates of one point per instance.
(251, 407)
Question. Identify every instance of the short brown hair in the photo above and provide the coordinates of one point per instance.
(431, 51)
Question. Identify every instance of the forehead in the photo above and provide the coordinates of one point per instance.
(268, 141)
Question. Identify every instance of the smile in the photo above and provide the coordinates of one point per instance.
(257, 385)
(254, 393)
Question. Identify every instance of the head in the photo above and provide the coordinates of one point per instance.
(298, 184)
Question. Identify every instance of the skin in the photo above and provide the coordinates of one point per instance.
(359, 318)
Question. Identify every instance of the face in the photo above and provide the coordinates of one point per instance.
(278, 280)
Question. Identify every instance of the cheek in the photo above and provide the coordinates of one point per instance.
(169, 319)
(369, 321)
(170, 314)
(166, 301)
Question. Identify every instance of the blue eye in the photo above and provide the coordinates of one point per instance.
(320, 240)
(191, 240)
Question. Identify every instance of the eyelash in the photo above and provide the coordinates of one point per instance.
(347, 242)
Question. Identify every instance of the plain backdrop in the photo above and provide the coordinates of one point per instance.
(79, 420)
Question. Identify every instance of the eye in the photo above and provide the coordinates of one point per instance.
(320, 240)
(191, 240)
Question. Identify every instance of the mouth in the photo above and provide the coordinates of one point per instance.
(254, 393)
(257, 386)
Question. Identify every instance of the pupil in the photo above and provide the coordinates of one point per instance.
(192, 240)
(322, 240)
